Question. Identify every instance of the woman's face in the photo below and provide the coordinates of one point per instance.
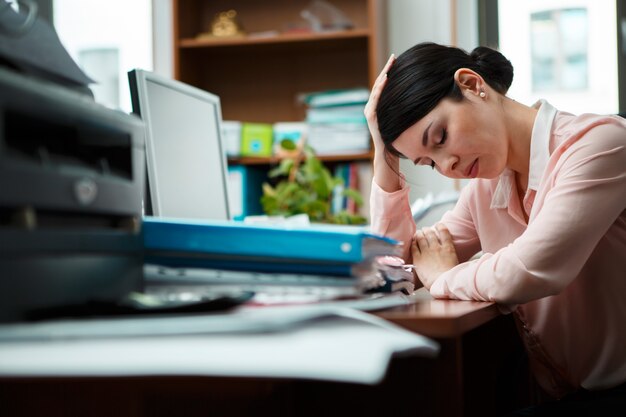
(461, 139)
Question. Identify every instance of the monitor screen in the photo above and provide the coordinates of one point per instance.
(186, 165)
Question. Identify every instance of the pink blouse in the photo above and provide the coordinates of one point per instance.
(563, 273)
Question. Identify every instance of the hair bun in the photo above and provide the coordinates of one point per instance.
(498, 69)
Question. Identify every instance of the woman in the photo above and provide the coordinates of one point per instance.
(545, 205)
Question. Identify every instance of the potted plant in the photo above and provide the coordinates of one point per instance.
(308, 188)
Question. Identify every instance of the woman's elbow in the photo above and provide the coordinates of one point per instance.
(525, 288)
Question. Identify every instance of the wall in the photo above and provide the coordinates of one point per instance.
(414, 21)
(162, 37)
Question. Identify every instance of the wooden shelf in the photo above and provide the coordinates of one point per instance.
(365, 156)
(258, 78)
(276, 39)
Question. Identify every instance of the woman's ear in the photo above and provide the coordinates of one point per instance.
(469, 81)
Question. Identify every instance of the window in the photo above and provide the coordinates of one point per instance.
(103, 64)
(559, 50)
(107, 39)
(564, 51)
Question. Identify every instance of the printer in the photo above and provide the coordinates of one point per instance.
(71, 181)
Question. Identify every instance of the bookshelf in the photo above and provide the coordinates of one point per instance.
(259, 76)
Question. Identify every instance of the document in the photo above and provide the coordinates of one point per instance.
(323, 343)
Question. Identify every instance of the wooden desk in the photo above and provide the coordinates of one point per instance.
(441, 318)
(465, 379)
(477, 371)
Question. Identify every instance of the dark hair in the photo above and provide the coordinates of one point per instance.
(424, 75)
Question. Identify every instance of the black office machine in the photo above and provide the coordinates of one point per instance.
(71, 178)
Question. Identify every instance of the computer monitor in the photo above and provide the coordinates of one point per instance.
(185, 161)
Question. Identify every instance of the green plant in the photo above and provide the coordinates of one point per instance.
(307, 188)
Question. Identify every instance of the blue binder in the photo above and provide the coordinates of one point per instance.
(318, 249)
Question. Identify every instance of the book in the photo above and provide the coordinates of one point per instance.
(338, 138)
(353, 183)
(366, 174)
(245, 186)
(231, 136)
(337, 97)
(316, 249)
(353, 113)
(338, 199)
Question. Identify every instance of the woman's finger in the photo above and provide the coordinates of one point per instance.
(415, 249)
(382, 77)
(383, 72)
(376, 90)
(447, 245)
(421, 240)
(431, 236)
(390, 61)
(444, 234)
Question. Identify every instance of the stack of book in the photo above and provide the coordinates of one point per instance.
(358, 176)
(252, 255)
(336, 121)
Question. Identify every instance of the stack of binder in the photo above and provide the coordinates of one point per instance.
(336, 122)
(275, 254)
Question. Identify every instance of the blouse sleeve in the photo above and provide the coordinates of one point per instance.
(587, 196)
(461, 226)
(391, 216)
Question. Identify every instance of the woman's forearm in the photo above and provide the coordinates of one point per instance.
(387, 172)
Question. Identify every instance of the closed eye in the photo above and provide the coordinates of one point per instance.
(420, 161)
(444, 136)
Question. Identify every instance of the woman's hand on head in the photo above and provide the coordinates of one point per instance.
(433, 253)
(372, 103)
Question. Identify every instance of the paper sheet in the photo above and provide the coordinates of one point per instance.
(341, 345)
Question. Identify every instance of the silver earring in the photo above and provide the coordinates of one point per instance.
(482, 94)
